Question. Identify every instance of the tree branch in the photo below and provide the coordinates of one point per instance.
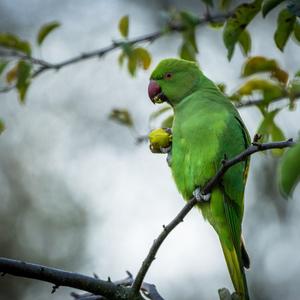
(255, 147)
(58, 278)
(171, 28)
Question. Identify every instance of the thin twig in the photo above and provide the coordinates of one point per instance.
(192, 202)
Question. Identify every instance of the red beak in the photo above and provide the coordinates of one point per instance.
(153, 89)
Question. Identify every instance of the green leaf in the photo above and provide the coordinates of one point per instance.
(269, 130)
(285, 26)
(208, 2)
(294, 88)
(8, 40)
(277, 135)
(269, 5)
(237, 23)
(132, 64)
(121, 58)
(189, 45)
(124, 26)
(289, 171)
(121, 116)
(143, 57)
(3, 64)
(23, 78)
(245, 42)
(45, 30)
(2, 126)
(187, 51)
(297, 30)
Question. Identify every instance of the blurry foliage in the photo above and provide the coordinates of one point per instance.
(263, 79)
(237, 23)
(137, 57)
(121, 116)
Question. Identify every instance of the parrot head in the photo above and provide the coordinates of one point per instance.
(172, 80)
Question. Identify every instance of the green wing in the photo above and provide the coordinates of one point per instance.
(233, 183)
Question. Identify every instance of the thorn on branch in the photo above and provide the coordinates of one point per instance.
(54, 288)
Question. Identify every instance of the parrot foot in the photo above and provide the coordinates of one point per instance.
(165, 150)
(169, 159)
(201, 197)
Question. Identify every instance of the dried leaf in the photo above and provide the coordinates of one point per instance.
(121, 116)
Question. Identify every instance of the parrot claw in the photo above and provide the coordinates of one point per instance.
(169, 159)
(201, 197)
(165, 150)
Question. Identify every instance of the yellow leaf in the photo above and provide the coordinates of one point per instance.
(11, 75)
(124, 26)
(268, 89)
(143, 57)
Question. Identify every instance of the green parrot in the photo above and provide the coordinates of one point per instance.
(206, 129)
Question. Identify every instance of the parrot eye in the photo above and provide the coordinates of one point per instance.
(168, 76)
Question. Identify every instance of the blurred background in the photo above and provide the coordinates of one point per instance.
(77, 192)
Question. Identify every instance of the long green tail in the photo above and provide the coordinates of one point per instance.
(236, 271)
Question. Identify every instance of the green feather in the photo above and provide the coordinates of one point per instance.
(207, 127)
